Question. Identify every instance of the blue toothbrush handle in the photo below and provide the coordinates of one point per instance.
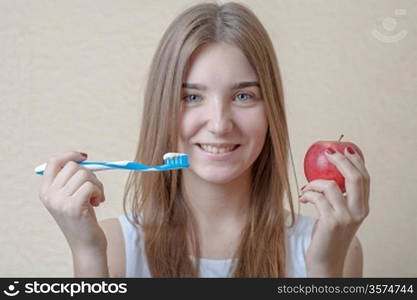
(100, 165)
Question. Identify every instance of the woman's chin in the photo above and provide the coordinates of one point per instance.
(216, 176)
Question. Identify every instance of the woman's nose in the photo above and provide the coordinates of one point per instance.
(219, 118)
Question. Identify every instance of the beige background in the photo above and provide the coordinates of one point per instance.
(72, 75)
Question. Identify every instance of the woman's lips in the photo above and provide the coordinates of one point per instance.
(218, 156)
(218, 146)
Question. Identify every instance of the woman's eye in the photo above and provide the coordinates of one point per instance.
(243, 97)
(191, 98)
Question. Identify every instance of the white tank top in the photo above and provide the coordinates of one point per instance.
(298, 240)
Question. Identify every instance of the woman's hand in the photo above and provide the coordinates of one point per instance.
(339, 215)
(69, 192)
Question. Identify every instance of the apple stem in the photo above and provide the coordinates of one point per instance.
(341, 137)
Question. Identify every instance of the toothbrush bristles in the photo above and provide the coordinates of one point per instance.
(176, 159)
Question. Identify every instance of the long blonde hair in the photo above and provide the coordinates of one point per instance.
(154, 198)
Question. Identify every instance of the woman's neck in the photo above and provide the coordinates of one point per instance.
(217, 205)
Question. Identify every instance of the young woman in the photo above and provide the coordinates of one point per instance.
(214, 92)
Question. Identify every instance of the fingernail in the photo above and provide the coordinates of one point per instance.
(350, 150)
(330, 151)
(83, 154)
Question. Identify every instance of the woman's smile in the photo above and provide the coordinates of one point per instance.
(218, 152)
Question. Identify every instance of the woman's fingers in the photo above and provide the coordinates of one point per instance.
(64, 174)
(79, 179)
(70, 168)
(54, 166)
(322, 205)
(357, 161)
(87, 191)
(355, 182)
(331, 191)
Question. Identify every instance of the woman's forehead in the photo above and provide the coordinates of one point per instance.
(219, 63)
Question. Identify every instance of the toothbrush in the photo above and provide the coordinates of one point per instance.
(172, 161)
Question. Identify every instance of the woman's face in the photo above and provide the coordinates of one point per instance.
(223, 120)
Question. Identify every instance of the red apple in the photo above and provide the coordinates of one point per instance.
(317, 166)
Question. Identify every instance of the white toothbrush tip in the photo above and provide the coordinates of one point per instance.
(172, 155)
(40, 168)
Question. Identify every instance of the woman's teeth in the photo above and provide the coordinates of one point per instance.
(212, 149)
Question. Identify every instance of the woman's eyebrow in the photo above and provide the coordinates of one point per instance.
(244, 84)
(237, 85)
(194, 86)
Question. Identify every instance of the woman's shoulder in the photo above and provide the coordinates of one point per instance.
(129, 225)
(298, 218)
(301, 225)
(115, 246)
(135, 263)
